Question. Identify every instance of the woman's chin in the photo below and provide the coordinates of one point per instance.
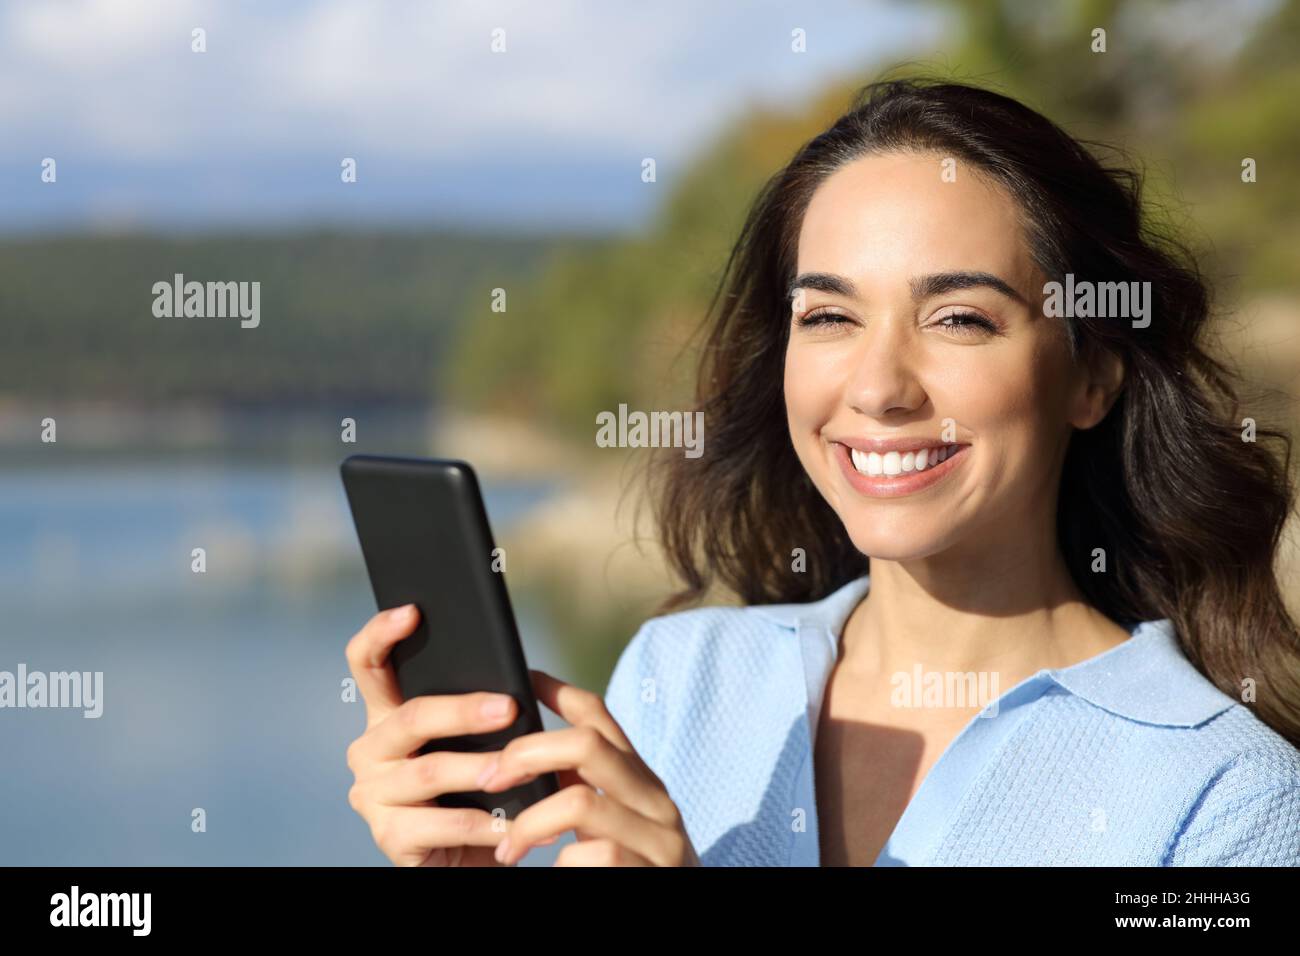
(911, 544)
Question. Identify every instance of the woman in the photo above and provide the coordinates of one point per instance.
(1006, 554)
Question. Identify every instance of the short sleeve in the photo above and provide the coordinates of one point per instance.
(625, 697)
(1244, 818)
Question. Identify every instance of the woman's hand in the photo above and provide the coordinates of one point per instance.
(619, 809)
(393, 783)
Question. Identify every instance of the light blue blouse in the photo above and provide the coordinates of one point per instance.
(1131, 757)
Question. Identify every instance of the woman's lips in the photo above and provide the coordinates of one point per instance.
(895, 486)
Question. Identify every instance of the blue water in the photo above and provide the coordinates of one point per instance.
(222, 690)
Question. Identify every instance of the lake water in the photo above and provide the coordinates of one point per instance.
(222, 690)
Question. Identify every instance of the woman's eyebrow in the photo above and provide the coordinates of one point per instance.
(923, 287)
(823, 282)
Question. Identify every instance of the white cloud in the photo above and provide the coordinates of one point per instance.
(92, 34)
(253, 130)
(413, 77)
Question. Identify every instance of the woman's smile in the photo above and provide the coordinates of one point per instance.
(894, 472)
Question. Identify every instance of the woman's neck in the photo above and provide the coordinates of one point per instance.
(1010, 610)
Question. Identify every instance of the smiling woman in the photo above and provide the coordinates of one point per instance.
(1058, 504)
(1061, 499)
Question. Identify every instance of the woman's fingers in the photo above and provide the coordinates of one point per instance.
(594, 816)
(599, 853)
(407, 835)
(587, 752)
(411, 782)
(579, 706)
(367, 656)
(421, 719)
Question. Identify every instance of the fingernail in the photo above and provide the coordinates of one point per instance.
(503, 848)
(496, 706)
(400, 615)
(488, 771)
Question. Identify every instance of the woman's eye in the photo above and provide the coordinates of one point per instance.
(968, 323)
(820, 318)
(964, 323)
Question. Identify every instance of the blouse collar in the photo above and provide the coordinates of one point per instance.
(1147, 678)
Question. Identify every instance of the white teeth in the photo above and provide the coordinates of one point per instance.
(894, 463)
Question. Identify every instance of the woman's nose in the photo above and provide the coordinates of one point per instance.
(884, 375)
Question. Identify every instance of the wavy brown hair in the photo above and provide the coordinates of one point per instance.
(1192, 513)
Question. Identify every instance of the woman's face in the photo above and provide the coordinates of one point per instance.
(929, 343)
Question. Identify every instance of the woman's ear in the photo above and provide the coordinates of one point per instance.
(1101, 380)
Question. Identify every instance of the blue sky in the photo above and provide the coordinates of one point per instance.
(546, 136)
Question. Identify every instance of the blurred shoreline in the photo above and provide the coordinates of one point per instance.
(259, 487)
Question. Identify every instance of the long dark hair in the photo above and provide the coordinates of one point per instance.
(1190, 515)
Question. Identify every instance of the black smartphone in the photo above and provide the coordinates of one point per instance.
(426, 541)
